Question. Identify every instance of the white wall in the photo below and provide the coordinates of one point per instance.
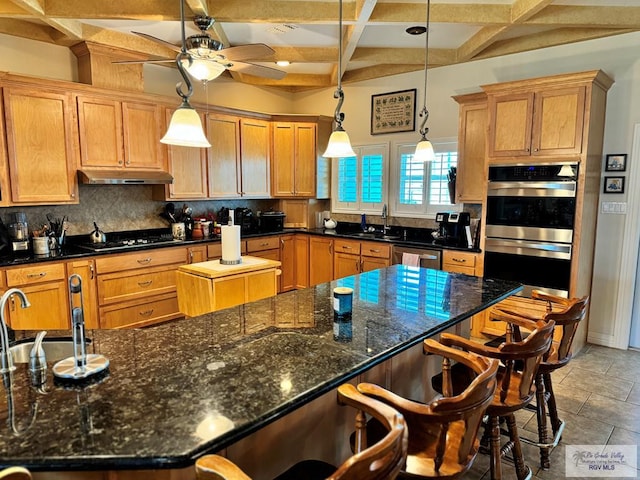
(617, 56)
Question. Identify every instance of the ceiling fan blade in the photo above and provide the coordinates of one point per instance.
(246, 52)
(257, 70)
(164, 60)
(173, 47)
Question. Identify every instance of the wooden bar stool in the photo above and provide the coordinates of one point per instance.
(15, 473)
(520, 360)
(567, 315)
(443, 435)
(382, 460)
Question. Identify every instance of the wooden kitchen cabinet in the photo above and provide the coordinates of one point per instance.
(266, 247)
(239, 164)
(459, 262)
(86, 268)
(353, 257)
(320, 260)
(288, 263)
(45, 286)
(538, 117)
(301, 262)
(197, 254)
(374, 255)
(40, 131)
(294, 159)
(472, 140)
(120, 134)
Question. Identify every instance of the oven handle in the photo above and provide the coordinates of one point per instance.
(531, 189)
(560, 251)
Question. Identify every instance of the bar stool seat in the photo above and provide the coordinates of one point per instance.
(15, 473)
(381, 460)
(443, 435)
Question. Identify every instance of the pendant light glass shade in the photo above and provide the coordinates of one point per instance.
(339, 145)
(424, 151)
(204, 70)
(185, 129)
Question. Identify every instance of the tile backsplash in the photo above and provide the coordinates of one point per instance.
(121, 207)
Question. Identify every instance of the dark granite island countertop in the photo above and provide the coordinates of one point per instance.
(178, 390)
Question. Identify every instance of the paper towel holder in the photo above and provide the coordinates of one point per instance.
(230, 262)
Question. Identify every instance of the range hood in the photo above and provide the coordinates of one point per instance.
(123, 177)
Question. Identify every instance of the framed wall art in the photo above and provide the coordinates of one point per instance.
(613, 185)
(616, 162)
(393, 112)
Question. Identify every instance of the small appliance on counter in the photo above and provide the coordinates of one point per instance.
(453, 229)
(271, 221)
(19, 231)
(244, 218)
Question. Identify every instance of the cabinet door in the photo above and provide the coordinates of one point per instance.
(142, 125)
(5, 197)
(320, 260)
(283, 159)
(345, 264)
(472, 134)
(188, 166)
(197, 254)
(287, 259)
(558, 121)
(305, 160)
(373, 263)
(510, 124)
(255, 158)
(100, 128)
(87, 270)
(301, 261)
(41, 146)
(223, 158)
(48, 311)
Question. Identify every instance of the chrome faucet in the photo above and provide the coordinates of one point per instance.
(5, 356)
(385, 226)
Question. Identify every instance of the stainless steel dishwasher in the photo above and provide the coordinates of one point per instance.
(429, 258)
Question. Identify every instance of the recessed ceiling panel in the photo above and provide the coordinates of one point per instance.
(284, 35)
(441, 35)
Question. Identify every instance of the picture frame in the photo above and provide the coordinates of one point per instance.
(393, 112)
(615, 162)
(613, 185)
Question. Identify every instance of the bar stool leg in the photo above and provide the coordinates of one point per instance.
(541, 413)
(523, 472)
(496, 455)
(556, 423)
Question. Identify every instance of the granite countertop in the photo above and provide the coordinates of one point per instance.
(178, 390)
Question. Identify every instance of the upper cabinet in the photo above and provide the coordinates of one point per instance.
(540, 117)
(472, 134)
(294, 159)
(42, 152)
(115, 134)
(239, 159)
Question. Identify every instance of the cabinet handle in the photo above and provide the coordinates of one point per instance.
(91, 270)
(459, 260)
(144, 260)
(36, 275)
(146, 313)
(372, 250)
(282, 242)
(331, 248)
(346, 247)
(119, 162)
(264, 244)
(358, 265)
(190, 256)
(361, 266)
(13, 304)
(146, 283)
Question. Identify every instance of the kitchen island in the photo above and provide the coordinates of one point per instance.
(185, 388)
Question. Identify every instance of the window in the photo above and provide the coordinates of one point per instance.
(421, 189)
(360, 182)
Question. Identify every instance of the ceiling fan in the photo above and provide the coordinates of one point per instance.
(208, 58)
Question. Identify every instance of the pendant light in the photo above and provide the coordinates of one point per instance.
(185, 127)
(424, 149)
(339, 145)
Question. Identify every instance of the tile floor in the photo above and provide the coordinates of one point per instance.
(598, 395)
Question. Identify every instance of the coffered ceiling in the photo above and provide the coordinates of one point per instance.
(305, 32)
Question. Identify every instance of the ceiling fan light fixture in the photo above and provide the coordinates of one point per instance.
(283, 63)
(204, 70)
(185, 129)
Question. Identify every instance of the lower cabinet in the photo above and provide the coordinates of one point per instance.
(86, 268)
(320, 260)
(139, 288)
(288, 266)
(301, 260)
(45, 286)
(460, 262)
(352, 257)
(266, 247)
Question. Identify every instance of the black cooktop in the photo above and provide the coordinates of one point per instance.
(128, 239)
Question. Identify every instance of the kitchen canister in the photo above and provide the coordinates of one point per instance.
(177, 231)
(40, 245)
(342, 308)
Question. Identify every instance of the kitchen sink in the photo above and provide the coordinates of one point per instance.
(54, 350)
(377, 236)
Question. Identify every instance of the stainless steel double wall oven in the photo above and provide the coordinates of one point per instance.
(529, 225)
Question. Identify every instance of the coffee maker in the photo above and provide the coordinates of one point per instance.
(452, 229)
(18, 231)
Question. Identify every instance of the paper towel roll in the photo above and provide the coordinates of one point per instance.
(230, 244)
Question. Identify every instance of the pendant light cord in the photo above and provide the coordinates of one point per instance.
(339, 94)
(424, 112)
(183, 55)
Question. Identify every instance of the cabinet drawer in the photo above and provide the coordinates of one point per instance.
(45, 272)
(142, 259)
(139, 314)
(266, 243)
(462, 259)
(346, 246)
(118, 287)
(374, 249)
